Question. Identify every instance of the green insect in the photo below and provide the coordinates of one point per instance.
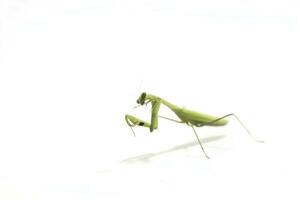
(189, 117)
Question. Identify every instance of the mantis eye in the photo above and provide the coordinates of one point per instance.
(142, 98)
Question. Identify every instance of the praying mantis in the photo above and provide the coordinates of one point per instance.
(186, 116)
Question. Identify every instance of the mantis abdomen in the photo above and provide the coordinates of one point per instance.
(197, 118)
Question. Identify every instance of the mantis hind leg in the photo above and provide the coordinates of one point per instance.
(228, 115)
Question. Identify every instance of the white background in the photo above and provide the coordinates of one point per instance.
(70, 70)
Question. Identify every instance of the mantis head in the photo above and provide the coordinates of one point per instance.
(141, 100)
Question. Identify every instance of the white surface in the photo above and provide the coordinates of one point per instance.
(70, 70)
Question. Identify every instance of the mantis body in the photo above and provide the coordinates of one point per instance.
(189, 117)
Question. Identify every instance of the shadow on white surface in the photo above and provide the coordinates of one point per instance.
(147, 157)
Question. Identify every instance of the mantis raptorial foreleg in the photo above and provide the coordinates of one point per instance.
(134, 121)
